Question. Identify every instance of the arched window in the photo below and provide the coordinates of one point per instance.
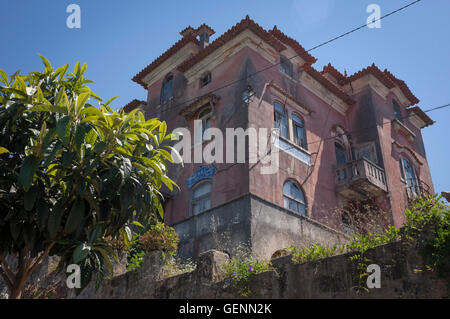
(293, 198)
(408, 174)
(280, 119)
(397, 111)
(166, 90)
(299, 131)
(201, 197)
(286, 66)
(341, 154)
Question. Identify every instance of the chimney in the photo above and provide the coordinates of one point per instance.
(204, 32)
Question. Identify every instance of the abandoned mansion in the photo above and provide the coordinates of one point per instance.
(343, 141)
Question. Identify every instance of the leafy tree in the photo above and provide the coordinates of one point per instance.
(72, 174)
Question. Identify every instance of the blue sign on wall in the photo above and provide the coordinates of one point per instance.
(203, 172)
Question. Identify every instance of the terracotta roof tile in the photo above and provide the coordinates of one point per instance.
(244, 24)
(175, 48)
(333, 72)
(375, 71)
(207, 27)
(418, 111)
(293, 44)
(133, 104)
(319, 77)
(403, 87)
(188, 30)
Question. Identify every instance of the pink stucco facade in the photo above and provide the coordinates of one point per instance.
(355, 111)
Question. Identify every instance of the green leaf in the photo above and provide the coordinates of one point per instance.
(126, 168)
(51, 151)
(63, 129)
(42, 211)
(4, 77)
(110, 100)
(80, 253)
(91, 111)
(30, 198)
(48, 66)
(81, 101)
(27, 171)
(79, 136)
(54, 220)
(3, 150)
(76, 217)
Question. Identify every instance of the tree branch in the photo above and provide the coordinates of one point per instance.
(8, 270)
(6, 279)
(40, 258)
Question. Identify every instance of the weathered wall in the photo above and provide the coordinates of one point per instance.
(252, 222)
(326, 278)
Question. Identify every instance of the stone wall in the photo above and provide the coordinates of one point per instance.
(326, 278)
(255, 223)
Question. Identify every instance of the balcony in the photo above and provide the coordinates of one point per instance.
(360, 179)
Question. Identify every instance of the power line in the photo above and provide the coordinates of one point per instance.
(333, 137)
(297, 55)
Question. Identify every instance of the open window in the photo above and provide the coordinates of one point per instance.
(280, 120)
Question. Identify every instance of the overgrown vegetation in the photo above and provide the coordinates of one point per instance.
(72, 174)
(427, 228)
(157, 237)
(239, 270)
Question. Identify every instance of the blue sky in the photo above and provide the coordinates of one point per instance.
(119, 38)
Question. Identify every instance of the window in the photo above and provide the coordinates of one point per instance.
(299, 131)
(293, 198)
(280, 120)
(408, 174)
(286, 66)
(166, 90)
(201, 198)
(368, 152)
(397, 111)
(205, 80)
(341, 154)
(205, 117)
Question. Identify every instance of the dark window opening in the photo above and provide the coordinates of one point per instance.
(286, 66)
(166, 90)
(299, 131)
(205, 80)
